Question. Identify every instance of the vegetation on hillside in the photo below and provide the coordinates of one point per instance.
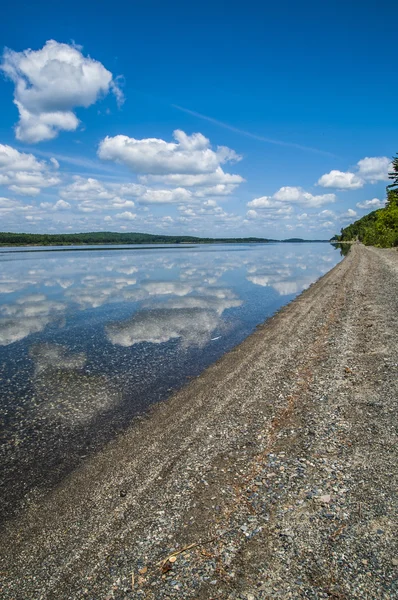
(380, 227)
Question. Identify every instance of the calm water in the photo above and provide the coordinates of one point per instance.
(90, 338)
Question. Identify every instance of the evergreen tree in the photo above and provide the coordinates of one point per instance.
(394, 173)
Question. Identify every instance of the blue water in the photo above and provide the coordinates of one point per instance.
(89, 338)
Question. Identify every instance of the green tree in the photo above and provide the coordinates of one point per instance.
(394, 173)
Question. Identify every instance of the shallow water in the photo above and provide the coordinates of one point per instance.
(89, 339)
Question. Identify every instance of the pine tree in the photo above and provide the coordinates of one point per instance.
(394, 174)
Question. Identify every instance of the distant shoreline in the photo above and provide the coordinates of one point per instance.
(10, 239)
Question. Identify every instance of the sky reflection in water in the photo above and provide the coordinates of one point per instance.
(88, 339)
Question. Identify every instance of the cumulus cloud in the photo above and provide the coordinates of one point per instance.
(126, 216)
(367, 170)
(24, 174)
(13, 160)
(341, 180)
(50, 83)
(178, 195)
(62, 205)
(9, 206)
(349, 213)
(217, 177)
(326, 214)
(263, 202)
(374, 168)
(371, 204)
(189, 154)
(290, 195)
(94, 195)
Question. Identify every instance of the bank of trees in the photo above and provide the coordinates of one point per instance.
(380, 227)
(108, 237)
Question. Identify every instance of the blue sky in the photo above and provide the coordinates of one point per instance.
(285, 116)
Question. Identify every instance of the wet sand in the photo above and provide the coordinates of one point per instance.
(278, 463)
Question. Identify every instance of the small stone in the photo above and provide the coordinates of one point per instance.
(123, 493)
(325, 499)
(143, 570)
(395, 562)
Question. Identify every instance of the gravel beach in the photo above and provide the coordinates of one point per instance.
(271, 475)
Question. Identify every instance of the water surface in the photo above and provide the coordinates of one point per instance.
(89, 339)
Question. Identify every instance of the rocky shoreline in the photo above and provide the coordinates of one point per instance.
(272, 475)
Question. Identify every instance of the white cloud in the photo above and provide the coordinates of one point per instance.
(189, 154)
(371, 204)
(374, 168)
(367, 170)
(86, 189)
(291, 195)
(263, 202)
(217, 177)
(178, 195)
(62, 205)
(341, 180)
(326, 225)
(13, 160)
(50, 83)
(94, 195)
(126, 216)
(24, 190)
(33, 218)
(349, 213)
(324, 214)
(9, 206)
(23, 173)
(288, 194)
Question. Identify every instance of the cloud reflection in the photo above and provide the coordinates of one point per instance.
(193, 325)
(64, 392)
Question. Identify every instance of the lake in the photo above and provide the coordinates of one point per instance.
(91, 337)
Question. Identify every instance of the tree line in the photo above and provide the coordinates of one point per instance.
(108, 237)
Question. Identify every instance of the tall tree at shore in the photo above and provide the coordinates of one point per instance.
(394, 174)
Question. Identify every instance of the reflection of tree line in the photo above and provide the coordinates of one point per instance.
(343, 248)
